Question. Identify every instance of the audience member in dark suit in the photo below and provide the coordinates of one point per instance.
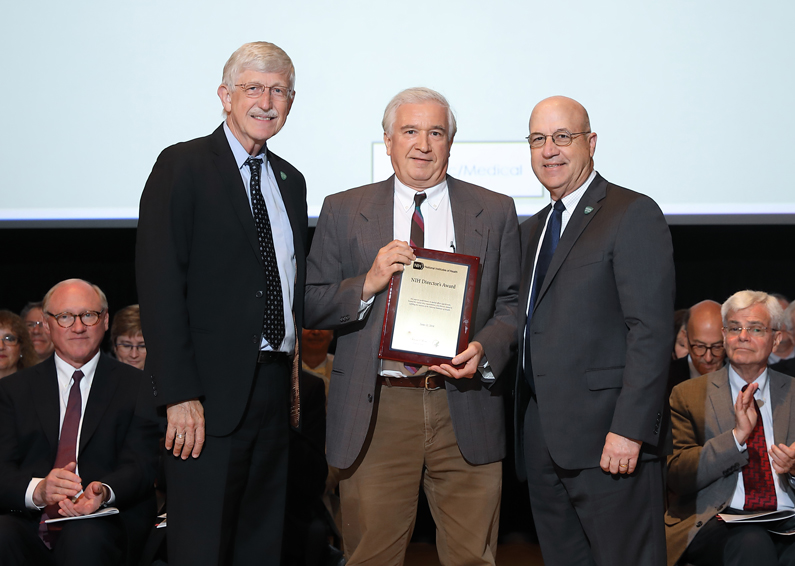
(787, 367)
(391, 429)
(595, 318)
(220, 267)
(77, 433)
(704, 341)
(734, 448)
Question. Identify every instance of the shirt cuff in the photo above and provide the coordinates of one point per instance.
(486, 373)
(29, 495)
(364, 307)
(740, 447)
(112, 497)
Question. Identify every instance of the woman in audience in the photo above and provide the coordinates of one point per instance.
(16, 348)
(127, 341)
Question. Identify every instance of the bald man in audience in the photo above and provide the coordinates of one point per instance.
(705, 351)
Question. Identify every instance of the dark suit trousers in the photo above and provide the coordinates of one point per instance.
(89, 542)
(589, 517)
(719, 544)
(227, 506)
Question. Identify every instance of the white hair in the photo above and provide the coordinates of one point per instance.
(744, 299)
(259, 56)
(416, 95)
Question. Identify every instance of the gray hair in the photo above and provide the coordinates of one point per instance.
(744, 299)
(789, 317)
(417, 95)
(259, 56)
(48, 297)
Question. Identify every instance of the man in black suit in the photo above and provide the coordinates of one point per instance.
(596, 309)
(77, 433)
(220, 267)
(705, 353)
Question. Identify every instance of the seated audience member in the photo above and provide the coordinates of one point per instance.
(786, 349)
(734, 447)
(16, 349)
(78, 434)
(314, 353)
(34, 320)
(680, 334)
(126, 337)
(782, 299)
(704, 343)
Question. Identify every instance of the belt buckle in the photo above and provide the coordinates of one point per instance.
(427, 377)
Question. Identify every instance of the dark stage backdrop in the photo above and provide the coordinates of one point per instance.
(712, 262)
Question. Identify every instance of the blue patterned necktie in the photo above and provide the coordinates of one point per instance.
(548, 247)
(273, 317)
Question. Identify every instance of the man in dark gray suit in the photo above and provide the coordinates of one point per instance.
(390, 430)
(595, 313)
(734, 447)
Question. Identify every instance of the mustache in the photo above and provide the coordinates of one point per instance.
(272, 113)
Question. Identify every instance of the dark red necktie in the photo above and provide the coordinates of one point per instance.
(760, 491)
(418, 223)
(67, 451)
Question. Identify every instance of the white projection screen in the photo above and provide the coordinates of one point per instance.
(692, 101)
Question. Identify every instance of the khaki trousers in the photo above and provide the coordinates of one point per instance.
(412, 444)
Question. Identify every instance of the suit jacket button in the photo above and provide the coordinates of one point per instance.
(258, 294)
(254, 338)
(699, 523)
(370, 397)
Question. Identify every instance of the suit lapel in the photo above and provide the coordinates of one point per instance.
(720, 397)
(43, 386)
(229, 175)
(103, 388)
(575, 227)
(781, 399)
(470, 236)
(376, 220)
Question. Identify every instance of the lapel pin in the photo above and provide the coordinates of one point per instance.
(588, 209)
(284, 175)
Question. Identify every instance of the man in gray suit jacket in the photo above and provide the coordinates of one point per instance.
(389, 429)
(595, 313)
(728, 460)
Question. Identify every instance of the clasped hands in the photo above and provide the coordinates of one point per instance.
(60, 488)
(745, 417)
(391, 259)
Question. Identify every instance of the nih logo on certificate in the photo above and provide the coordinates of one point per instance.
(503, 167)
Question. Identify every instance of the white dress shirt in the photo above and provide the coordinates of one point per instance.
(282, 234)
(762, 396)
(65, 371)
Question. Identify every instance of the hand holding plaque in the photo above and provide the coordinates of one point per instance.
(429, 308)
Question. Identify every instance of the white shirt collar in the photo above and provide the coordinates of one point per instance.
(241, 155)
(571, 200)
(737, 383)
(405, 195)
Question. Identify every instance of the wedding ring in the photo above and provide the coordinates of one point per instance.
(181, 435)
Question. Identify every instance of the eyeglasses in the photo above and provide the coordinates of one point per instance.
(255, 90)
(67, 319)
(126, 348)
(561, 138)
(701, 349)
(33, 324)
(755, 331)
(9, 340)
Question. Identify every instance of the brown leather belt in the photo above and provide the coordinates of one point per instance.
(430, 382)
